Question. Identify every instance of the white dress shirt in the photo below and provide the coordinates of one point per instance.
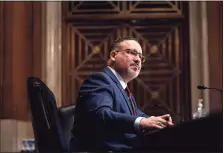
(124, 85)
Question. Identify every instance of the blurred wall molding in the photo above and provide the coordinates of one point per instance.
(198, 52)
(52, 48)
(206, 52)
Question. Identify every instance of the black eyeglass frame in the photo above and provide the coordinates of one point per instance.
(133, 52)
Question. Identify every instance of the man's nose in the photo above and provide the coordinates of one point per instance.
(137, 59)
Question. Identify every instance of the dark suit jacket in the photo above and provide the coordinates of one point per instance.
(103, 119)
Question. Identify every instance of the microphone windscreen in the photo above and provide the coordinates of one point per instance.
(201, 87)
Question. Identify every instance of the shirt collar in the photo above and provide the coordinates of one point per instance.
(121, 80)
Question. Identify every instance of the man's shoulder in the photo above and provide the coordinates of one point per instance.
(101, 75)
(97, 73)
(96, 80)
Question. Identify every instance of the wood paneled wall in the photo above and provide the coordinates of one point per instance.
(163, 84)
(1, 56)
(215, 52)
(20, 40)
(21, 45)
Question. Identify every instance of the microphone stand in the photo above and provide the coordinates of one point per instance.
(201, 87)
(215, 89)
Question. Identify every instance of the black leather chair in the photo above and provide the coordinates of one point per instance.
(66, 117)
(48, 131)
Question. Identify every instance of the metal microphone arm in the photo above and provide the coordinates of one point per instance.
(201, 87)
(215, 89)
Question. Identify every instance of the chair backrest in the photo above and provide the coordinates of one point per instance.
(48, 132)
(66, 117)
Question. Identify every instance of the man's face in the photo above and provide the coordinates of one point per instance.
(126, 62)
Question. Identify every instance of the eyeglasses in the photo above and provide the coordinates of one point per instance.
(135, 53)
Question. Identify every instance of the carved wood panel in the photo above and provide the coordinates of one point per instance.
(121, 9)
(158, 89)
(1, 58)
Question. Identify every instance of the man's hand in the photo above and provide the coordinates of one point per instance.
(158, 122)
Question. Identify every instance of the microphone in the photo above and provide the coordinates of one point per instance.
(201, 87)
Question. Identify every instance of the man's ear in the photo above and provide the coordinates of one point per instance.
(112, 55)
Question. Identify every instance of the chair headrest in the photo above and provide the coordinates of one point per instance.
(67, 111)
(47, 129)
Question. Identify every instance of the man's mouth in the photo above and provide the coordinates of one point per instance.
(136, 66)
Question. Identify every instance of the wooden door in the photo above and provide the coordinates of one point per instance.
(89, 28)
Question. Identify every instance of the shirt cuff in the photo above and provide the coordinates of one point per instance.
(137, 124)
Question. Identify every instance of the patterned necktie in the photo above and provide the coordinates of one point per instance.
(131, 101)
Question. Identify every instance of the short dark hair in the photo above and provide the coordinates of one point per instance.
(116, 43)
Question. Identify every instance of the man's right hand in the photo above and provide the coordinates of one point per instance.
(158, 122)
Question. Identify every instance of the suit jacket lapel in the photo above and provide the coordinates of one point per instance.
(114, 78)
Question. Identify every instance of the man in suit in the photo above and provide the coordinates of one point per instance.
(106, 114)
